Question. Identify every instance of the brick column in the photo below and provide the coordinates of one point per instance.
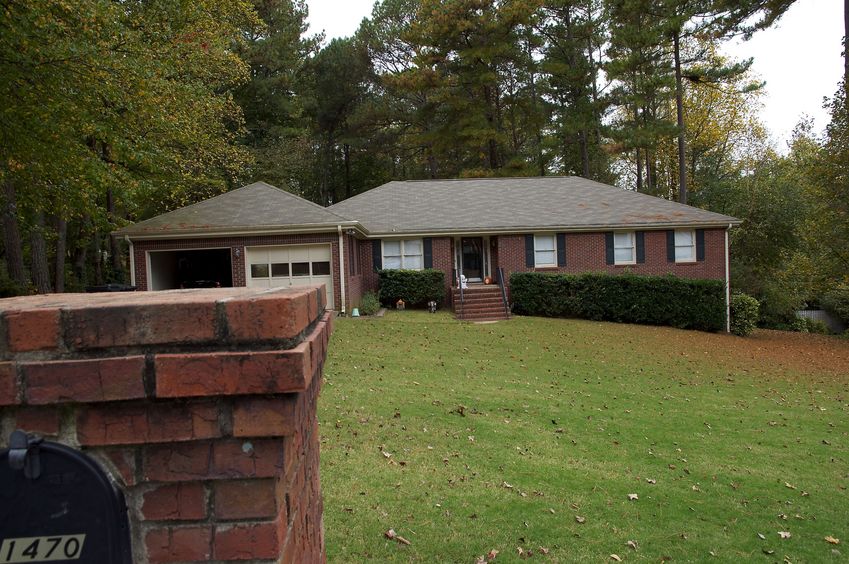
(200, 404)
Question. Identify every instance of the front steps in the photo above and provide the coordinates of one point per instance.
(481, 302)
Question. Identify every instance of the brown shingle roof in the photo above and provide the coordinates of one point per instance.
(255, 207)
(515, 204)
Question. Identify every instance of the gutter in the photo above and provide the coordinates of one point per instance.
(341, 268)
(727, 282)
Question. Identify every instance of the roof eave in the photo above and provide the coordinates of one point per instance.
(195, 233)
(731, 222)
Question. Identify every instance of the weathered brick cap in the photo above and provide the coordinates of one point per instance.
(72, 323)
(186, 343)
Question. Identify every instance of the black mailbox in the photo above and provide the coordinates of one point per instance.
(57, 505)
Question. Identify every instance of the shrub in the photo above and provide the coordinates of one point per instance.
(745, 311)
(415, 287)
(836, 302)
(369, 304)
(807, 325)
(628, 298)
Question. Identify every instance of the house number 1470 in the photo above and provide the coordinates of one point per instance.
(42, 549)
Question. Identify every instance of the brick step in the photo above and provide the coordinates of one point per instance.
(501, 317)
(479, 307)
(479, 300)
(485, 290)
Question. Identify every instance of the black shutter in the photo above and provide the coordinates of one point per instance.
(670, 246)
(529, 251)
(561, 249)
(700, 244)
(428, 252)
(376, 255)
(641, 247)
(608, 248)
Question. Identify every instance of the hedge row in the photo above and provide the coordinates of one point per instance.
(415, 287)
(627, 298)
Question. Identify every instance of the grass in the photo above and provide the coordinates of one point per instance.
(466, 438)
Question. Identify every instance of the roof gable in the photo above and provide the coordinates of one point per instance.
(255, 207)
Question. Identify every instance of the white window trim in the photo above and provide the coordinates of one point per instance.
(633, 247)
(692, 246)
(554, 239)
(404, 255)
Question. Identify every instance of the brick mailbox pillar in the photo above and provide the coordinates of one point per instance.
(200, 404)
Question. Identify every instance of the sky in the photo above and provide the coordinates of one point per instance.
(799, 57)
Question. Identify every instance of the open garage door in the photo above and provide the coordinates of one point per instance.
(296, 265)
(203, 268)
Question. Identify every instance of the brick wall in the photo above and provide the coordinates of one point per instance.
(140, 249)
(585, 253)
(200, 404)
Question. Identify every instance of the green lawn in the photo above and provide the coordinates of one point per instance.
(466, 438)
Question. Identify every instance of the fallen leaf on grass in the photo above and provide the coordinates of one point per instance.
(784, 534)
(615, 557)
(387, 454)
(580, 520)
(392, 535)
(651, 480)
(831, 540)
(761, 536)
(789, 485)
(633, 497)
(491, 555)
(632, 544)
(543, 550)
(767, 551)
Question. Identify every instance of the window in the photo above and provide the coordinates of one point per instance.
(279, 269)
(300, 269)
(406, 254)
(685, 246)
(545, 250)
(321, 268)
(623, 248)
(259, 271)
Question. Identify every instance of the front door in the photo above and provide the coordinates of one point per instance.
(472, 250)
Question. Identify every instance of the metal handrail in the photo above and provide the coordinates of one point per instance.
(503, 291)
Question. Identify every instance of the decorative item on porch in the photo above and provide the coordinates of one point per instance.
(487, 280)
(431, 306)
(400, 304)
(463, 283)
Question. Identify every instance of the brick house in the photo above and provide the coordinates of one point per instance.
(261, 236)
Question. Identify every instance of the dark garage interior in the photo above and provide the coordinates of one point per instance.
(207, 268)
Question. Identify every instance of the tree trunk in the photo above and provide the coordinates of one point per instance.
(679, 107)
(12, 236)
(639, 171)
(98, 259)
(61, 248)
(846, 49)
(114, 244)
(585, 153)
(38, 250)
(346, 151)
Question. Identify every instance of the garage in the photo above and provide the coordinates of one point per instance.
(187, 268)
(290, 265)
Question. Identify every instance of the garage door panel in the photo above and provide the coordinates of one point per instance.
(291, 266)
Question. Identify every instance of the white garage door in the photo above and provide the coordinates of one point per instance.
(276, 267)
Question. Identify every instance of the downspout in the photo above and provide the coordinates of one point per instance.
(132, 261)
(341, 268)
(727, 283)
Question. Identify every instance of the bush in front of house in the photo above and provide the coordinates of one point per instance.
(626, 298)
(745, 312)
(369, 304)
(415, 287)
